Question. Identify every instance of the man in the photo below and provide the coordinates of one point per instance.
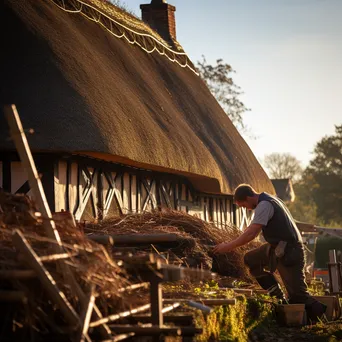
(283, 250)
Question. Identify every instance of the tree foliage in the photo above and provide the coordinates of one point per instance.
(319, 191)
(283, 165)
(324, 177)
(220, 83)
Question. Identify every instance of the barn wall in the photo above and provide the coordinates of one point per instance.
(95, 190)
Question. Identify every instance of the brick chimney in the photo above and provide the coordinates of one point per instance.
(161, 17)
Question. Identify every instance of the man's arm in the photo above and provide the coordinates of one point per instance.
(248, 235)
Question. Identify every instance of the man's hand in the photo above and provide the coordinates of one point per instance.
(223, 247)
(248, 235)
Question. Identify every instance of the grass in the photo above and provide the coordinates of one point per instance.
(251, 319)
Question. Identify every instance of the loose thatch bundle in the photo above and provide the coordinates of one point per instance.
(89, 262)
(199, 238)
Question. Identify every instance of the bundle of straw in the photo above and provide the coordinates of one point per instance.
(203, 234)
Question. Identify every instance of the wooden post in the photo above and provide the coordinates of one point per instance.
(23, 149)
(333, 272)
(86, 317)
(156, 303)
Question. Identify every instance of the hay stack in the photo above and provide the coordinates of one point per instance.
(199, 238)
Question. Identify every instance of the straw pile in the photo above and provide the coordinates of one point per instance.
(199, 237)
(89, 262)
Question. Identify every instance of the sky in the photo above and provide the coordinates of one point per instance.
(288, 60)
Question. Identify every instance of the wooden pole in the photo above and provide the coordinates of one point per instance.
(115, 317)
(23, 149)
(86, 317)
(135, 239)
(333, 272)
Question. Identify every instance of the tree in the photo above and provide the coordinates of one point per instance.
(220, 83)
(324, 177)
(304, 208)
(283, 165)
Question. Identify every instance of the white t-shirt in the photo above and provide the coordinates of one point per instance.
(263, 213)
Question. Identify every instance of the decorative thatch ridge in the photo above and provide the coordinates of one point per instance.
(149, 42)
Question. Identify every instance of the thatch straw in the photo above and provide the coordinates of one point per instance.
(203, 236)
(89, 262)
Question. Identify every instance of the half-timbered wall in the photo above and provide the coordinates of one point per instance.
(95, 190)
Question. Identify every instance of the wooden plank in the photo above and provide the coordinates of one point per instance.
(205, 301)
(117, 316)
(45, 277)
(60, 186)
(134, 287)
(175, 273)
(21, 144)
(164, 195)
(202, 208)
(126, 194)
(87, 192)
(175, 319)
(191, 205)
(134, 193)
(120, 337)
(133, 239)
(170, 308)
(73, 187)
(183, 198)
(155, 330)
(214, 211)
(156, 299)
(333, 272)
(86, 317)
(219, 217)
(148, 194)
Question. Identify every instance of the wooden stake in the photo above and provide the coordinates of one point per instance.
(23, 149)
(88, 310)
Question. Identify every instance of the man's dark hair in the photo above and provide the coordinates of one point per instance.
(242, 191)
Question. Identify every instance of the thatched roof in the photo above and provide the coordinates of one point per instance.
(84, 90)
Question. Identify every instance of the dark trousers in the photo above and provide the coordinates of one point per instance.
(290, 268)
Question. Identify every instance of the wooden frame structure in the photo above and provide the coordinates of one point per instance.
(94, 189)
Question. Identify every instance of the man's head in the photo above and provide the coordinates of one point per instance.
(246, 197)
